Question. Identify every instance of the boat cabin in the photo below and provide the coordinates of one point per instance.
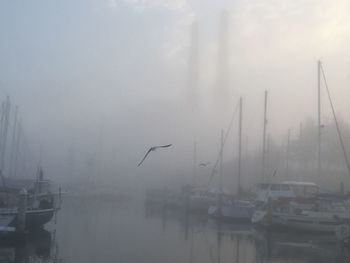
(290, 189)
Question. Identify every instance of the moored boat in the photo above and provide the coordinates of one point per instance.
(40, 206)
(315, 215)
(236, 210)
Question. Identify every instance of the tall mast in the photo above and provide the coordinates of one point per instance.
(240, 145)
(221, 174)
(319, 117)
(287, 155)
(221, 160)
(264, 137)
(194, 163)
(13, 146)
(6, 108)
(336, 121)
(18, 138)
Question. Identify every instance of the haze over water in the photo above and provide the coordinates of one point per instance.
(108, 232)
(98, 82)
(88, 86)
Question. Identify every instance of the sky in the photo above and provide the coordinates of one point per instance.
(108, 78)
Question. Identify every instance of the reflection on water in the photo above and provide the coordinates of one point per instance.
(38, 246)
(100, 231)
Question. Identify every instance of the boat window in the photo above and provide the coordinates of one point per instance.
(284, 187)
(263, 186)
(311, 190)
(298, 190)
(275, 187)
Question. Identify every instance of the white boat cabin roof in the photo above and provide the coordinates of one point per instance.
(299, 183)
(287, 184)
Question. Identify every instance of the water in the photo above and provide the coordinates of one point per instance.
(108, 231)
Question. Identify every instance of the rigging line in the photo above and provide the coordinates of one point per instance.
(336, 121)
(225, 138)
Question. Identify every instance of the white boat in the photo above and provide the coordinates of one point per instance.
(312, 216)
(239, 210)
(288, 189)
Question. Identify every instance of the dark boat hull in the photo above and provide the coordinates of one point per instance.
(35, 218)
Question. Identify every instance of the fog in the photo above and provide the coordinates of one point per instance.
(99, 82)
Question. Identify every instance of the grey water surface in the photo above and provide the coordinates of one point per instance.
(110, 231)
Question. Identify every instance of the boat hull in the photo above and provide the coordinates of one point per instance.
(298, 222)
(34, 218)
(232, 213)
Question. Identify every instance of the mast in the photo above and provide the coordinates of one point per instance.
(18, 138)
(319, 117)
(13, 144)
(6, 109)
(2, 123)
(221, 172)
(221, 160)
(287, 155)
(240, 145)
(336, 121)
(264, 137)
(194, 163)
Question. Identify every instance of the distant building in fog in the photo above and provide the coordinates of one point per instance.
(222, 83)
(193, 66)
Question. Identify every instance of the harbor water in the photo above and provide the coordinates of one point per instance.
(109, 231)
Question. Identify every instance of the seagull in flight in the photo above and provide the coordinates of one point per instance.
(152, 149)
(204, 164)
(274, 172)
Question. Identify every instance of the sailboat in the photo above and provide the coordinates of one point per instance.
(309, 213)
(236, 208)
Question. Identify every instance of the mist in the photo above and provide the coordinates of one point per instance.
(99, 82)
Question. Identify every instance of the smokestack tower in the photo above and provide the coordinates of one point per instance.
(223, 58)
(193, 64)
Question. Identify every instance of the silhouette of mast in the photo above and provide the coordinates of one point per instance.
(264, 138)
(240, 144)
(194, 162)
(6, 107)
(13, 143)
(319, 117)
(287, 154)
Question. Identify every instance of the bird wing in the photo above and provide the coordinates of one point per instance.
(163, 146)
(150, 149)
(153, 149)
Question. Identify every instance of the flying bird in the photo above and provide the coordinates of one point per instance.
(274, 172)
(152, 149)
(204, 164)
